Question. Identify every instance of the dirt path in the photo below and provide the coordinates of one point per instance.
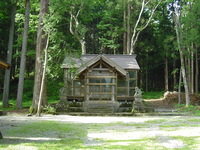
(158, 103)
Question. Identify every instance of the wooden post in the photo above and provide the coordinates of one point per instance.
(128, 84)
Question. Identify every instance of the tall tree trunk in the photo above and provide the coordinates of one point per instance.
(136, 32)
(9, 60)
(179, 88)
(125, 32)
(23, 57)
(166, 74)
(192, 69)
(128, 28)
(146, 83)
(188, 69)
(43, 79)
(183, 70)
(174, 75)
(197, 72)
(41, 43)
(74, 28)
(83, 46)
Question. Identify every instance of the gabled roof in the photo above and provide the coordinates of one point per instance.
(105, 59)
(120, 62)
(4, 65)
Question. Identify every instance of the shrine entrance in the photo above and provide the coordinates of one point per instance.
(101, 83)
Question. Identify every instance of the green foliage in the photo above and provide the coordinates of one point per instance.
(111, 28)
(53, 90)
(153, 95)
(101, 22)
(49, 110)
(28, 90)
(12, 104)
(195, 110)
(53, 93)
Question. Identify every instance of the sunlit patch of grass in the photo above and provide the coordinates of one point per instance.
(100, 126)
(178, 123)
(168, 129)
(142, 124)
(194, 120)
(194, 110)
(46, 129)
(191, 142)
(67, 136)
(44, 135)
(157, 121)
(136, 144)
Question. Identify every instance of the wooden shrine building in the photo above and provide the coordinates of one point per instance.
(99, 83)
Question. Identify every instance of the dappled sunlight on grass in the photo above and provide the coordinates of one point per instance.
(65, 132)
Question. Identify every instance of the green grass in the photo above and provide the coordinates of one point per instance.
(59, 135)
(195, 110)
(190, 142)
(48, 129)
(44, 135)
(152, 95)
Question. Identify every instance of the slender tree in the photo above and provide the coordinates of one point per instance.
(197, 73)
(9, 60)
(23, 56)
(139, 26)
(128, 28)
(181, 51)
(75, 27)
(125, 28)
(43, 78)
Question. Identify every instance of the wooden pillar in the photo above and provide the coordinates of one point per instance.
(128, 84)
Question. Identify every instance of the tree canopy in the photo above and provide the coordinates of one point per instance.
(75, 27)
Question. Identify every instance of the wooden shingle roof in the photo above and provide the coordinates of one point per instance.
(106, 60)
(126, 62)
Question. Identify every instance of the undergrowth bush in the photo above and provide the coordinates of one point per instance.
(53, 92)
(49, 110)
(153, 95)
(195, 110)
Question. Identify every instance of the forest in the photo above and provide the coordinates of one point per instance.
(36, 36)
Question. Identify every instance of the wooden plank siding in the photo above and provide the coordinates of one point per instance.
(103, 82)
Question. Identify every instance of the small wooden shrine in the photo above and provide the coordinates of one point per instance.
(99, 83)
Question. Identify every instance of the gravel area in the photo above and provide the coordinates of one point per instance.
(123, 128)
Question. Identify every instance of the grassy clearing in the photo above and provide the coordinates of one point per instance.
(195, 110)
(190, 142)
(42, 135)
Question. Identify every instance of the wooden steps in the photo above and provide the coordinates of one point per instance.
(100, 106)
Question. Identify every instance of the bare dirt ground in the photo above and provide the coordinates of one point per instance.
(158, 103)
(167, 130)
(131, 126)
